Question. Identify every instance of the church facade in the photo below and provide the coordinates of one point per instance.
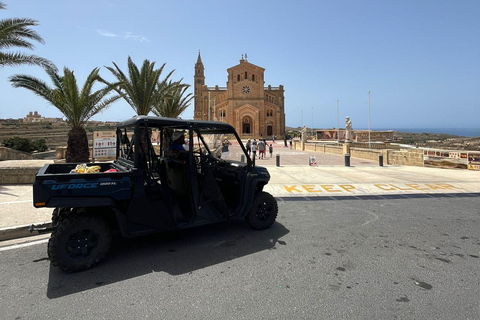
(254, 110)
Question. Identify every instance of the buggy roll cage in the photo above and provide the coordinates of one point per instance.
(202, 127)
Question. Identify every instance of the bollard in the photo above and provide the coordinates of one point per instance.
(277, 158)
(347, 160)
(380, 160)
(242, 158)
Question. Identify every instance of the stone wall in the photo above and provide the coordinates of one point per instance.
(60, 153)
(408, 157)
(10, 154)
(18, 175)
(368, 154)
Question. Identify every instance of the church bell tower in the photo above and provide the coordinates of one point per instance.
(199, 82)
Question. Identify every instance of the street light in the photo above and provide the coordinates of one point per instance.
(338, 125)
(312, 123)
(368, 119)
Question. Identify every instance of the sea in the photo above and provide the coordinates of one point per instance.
(462, 132)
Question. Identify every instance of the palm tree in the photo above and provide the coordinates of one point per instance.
(77, 106)
(174, 103)
(16, 32)
(141, 88)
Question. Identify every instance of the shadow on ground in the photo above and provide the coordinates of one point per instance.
(174, 253)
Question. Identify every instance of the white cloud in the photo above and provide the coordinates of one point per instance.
(107, 33)
(130, 35)
(127, 36)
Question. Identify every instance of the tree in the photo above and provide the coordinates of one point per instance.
(174, 102)
(78, 106)
(25, 144)
(142, 89)
(16, 32)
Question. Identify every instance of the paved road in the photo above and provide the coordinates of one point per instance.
(325, 258)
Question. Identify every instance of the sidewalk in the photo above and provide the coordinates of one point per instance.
(293, 178)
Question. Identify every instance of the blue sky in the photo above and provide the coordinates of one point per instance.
(419, 58)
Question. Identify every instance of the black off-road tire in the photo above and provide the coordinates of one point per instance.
(264, 211)
(79, 242)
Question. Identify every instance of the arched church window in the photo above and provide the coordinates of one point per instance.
(238, 77)
(253, 77)
(246, 76)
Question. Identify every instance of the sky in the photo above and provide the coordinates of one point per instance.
(420, 59)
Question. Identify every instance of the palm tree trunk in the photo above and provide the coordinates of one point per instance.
(77, 146)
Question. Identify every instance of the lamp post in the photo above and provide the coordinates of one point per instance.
(312, 123)
(301, 124)
(368, 119)
(338, 125)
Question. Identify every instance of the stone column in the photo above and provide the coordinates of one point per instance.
(346, 147)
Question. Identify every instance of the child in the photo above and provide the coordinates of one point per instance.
(254, 149)
(270, 149)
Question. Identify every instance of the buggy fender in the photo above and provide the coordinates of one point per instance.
(256, 180)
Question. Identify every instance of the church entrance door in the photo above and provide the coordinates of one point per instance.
(269, 130)
(246, 125)
(246, 128)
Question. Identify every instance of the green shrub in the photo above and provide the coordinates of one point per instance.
(25, 145)
(40, 145)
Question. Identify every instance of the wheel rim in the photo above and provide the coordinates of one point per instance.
(264, 211)
(82, 243)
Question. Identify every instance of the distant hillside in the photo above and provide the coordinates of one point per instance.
(55, 134)
(440, 141)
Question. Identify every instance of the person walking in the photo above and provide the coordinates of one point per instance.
(254, 149)
(291, 143)
(248, 146)
(261, 149)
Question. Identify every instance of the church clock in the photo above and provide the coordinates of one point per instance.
(246, 89)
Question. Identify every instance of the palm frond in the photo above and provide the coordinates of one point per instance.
(16, 59)
(78, 106)
(37, 86)
(17, 33)
(139, 88)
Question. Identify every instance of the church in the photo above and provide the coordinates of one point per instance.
(255, 111)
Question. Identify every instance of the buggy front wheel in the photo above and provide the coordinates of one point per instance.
(264, 211)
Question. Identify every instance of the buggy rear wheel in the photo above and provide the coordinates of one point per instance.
(79, 242)
(264, 211)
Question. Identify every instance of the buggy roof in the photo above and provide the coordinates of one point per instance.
(203, 126)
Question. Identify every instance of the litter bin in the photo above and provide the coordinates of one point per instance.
(380, 160)
(347, 160)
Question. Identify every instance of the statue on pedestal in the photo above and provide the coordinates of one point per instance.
(348, 129)
(304, 133)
